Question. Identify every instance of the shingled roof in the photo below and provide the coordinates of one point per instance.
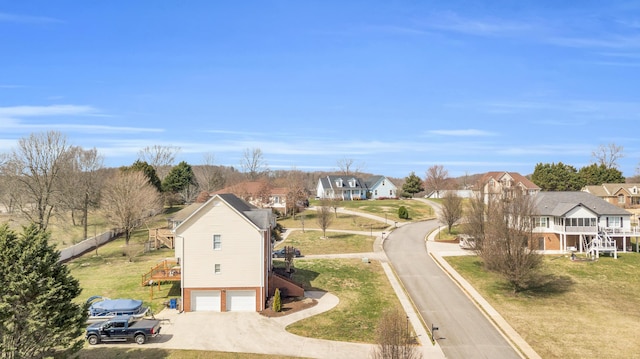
(559, 203)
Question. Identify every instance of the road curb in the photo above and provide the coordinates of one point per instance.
(511, 335)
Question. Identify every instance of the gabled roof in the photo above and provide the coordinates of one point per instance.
(251, 188)
(611, 189)
(559, 203)
(329, 181)
(258, 217)
(517, 179)
(184, 213)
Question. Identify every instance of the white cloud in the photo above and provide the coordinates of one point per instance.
(53, 110)
(450, 21)
(464, 133)
(6, 17)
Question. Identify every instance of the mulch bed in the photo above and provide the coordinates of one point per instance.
(290, 305)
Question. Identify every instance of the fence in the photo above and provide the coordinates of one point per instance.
(87, 245)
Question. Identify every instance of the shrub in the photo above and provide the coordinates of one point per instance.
(403, 213)
(277, 303)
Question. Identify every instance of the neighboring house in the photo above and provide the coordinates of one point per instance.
(380, 187)
(354, 188)
(341, 187)
(224, 250)
(579, 221)
(259, 194)
(462, 193)
(498, 183)
(625, 195)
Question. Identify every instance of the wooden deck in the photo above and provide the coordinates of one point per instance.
(166, 271)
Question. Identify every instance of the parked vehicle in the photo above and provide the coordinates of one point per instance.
(122, 328)
(281, 253)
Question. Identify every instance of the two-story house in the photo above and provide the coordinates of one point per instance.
(625, 195)
(349, 188)
(493, 184)
(224, 251)
(579, 221)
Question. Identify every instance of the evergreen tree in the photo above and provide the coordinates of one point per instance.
(412, 184)
(179, 178)
(38, 315)
(557, 177)
(595, 174)
(277, 302)
(148, 171)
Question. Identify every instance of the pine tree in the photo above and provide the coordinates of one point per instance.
(412, 184)
(38, 315)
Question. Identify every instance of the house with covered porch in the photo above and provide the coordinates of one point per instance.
(580, 222)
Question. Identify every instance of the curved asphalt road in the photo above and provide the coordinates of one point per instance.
(464, 332)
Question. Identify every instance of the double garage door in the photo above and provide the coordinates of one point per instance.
(210, 300)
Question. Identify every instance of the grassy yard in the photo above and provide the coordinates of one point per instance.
(112, 274)
(311, 242)
(343, 222)
(417, 210)
(139, 353)
(364, 293)
(587, 310)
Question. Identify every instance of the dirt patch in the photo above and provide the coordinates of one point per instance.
(290, 305)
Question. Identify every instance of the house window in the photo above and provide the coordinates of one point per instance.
(542, 222)
(614, 222)
(216, 268)
(391, 192)
(217, 242)
(375, 193)
(620, 198)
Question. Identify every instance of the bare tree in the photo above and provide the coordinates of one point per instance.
(82, 183)
(160, 157)
(253, 163)
(451, 210)
(35, 168)
(209, 176)
(349, 167)
(436, 179)
(296, 190)
(502, 233)
(324, 217)
(128, 200)
(608, 155)
(394, 340)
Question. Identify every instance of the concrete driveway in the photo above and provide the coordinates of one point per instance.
(250, 333)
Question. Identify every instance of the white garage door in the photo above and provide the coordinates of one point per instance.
(241, 300)
(205, 301)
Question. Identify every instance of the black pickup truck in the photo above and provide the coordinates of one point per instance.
(122, 328)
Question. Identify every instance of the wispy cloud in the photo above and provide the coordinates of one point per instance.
(453, 22)
(53, 110)
(619, 42)
(463, 133)
(6, 17)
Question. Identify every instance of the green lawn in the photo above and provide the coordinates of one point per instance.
(418, 211)
(586, 310)
(114, 275)
(342, 222)
(311, 242)
(103, 352)
(364, 293)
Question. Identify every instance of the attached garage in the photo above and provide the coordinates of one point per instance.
(241, 300)
(205, 301)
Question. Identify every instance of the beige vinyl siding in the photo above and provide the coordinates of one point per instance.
(240, 256)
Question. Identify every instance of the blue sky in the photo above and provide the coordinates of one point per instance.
(397, 86)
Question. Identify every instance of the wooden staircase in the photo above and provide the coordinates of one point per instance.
(162, 237)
